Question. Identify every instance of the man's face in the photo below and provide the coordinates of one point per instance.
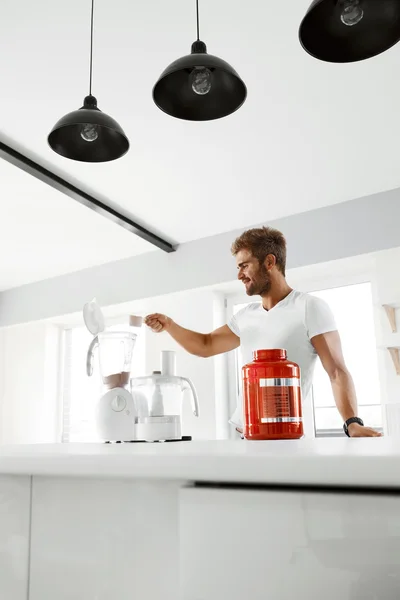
(254, 276)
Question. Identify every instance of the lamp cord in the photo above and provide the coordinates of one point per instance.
(91, 50)
(198, 21)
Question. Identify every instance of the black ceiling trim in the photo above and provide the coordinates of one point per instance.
(29, 166)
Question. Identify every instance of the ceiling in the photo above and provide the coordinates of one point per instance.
(310, 133)
(43, 233)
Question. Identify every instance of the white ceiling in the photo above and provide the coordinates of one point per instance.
(310, 133)
(43, 233)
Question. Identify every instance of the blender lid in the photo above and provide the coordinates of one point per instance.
(93, 317)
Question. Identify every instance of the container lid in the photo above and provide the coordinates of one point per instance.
(270, 354)
(135, 321)
(93, 317)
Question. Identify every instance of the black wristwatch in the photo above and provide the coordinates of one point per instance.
(349, 422)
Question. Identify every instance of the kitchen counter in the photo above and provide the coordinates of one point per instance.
(155, 521)
(336, 462)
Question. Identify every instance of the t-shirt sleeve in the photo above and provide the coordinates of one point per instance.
(319, 317)
(233, 324)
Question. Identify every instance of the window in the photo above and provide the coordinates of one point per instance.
(81, 392)
(353, 309)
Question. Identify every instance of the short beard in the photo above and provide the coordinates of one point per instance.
(262, 286)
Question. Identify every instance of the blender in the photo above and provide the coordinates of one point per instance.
(115, 410)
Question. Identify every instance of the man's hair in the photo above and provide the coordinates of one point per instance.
(262, 241)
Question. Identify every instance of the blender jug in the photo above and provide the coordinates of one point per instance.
(115, 357)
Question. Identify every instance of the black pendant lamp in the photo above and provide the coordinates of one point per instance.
(199, 87)
(342, 31)
(88, 134)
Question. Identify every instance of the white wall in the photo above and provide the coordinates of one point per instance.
(28, 392)
(2, 376)
(386, 290)
(360, 226)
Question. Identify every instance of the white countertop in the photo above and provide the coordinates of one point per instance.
(373, 462)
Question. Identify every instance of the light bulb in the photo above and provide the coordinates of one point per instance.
(201, 80)
(89, 132)
(352, 12)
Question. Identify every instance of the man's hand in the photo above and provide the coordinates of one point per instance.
(158, 322)
(356, 430)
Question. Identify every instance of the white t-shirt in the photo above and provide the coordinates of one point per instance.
(290, 324)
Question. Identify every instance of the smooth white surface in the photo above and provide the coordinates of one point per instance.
(387, 291)
(14, 536)
(29, 399)
(112, 424)
(43, 233)
(96, 540)
(258, 545)
(371, 462)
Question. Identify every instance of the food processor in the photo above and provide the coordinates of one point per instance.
(158, 399)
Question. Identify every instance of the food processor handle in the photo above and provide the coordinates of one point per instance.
(195, 403)
(90, 355)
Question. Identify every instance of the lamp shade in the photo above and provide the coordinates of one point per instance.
(174, 95)
(103, 141)
(325, 35)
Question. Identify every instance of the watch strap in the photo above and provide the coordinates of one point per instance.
(349, 422)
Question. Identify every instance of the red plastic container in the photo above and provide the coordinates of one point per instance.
(272, 397)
